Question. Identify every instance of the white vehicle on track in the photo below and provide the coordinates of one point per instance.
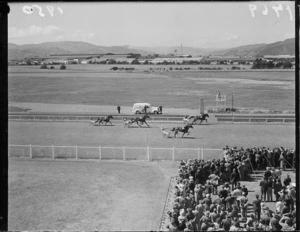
(140, 108)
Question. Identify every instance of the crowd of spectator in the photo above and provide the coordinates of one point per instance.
(209, 195)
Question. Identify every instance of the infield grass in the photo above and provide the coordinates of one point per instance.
(96, 85)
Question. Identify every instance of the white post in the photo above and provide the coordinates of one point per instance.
(148, 153)
(198, 153)
(124, 157)
(30, 151)
(173, 154)
(53, 154)
(76, 151)
(202, 151)
(100, 152)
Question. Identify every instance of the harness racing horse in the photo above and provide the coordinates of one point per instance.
(141, 120)
(94, 122)
(184, 130)
(106, 120)
(128, 122)
(202, 117)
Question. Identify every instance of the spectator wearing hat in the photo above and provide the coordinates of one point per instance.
(278, 172)
(172, 227)
(269, 189)
(286, 223)
(213, 216)
(244, 205)
(277, 188)
(279, 206)
(196, 220)
(282, 161)
(263, 189)
(226, 223)
(234, 226)
(286, 207)
(250, 221)
(257, 207)
(205, 220)
(234, 178)
(235, 212)
(214, 180)
(229, 202)
(274, 223)
(245, 190)
(287, 180)
(182, 220)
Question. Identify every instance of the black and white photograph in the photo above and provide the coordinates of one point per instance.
(152, 116)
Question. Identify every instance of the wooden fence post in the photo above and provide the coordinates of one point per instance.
(173, 154)
(53, 154)
(124, 155)
(76, 151)
(148, 153)
(100, 153)
(198, 153)
(30, 151)
(202, 151)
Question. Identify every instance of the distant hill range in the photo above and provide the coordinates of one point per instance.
(17, 52)
(286, 47)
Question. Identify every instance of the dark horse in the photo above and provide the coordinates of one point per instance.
(202, 117)
(105, 119)
(140, 120)
(184, 130)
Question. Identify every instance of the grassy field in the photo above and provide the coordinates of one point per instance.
(87, 196)
(96, 85)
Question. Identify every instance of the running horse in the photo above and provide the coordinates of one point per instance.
(105, 119)
(202, 117)
(184, 130)
(140, 120)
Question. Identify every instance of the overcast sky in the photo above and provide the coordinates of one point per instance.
(195, 24)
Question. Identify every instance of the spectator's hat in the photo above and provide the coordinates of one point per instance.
(207, 195)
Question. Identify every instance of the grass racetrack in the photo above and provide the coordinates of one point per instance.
(207, 135)
(49, 195)
(109, 195)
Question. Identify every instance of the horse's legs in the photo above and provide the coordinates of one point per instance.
(147, 124)
(182, 134)
(137, 122)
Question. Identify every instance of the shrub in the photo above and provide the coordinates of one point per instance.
(43, 66)
(52, 67)
(63, 67)
(114, 68)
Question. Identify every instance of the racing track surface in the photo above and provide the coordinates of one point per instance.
(207, 135)
(109, 195)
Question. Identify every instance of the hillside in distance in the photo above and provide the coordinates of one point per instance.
(176, 50)
(16, 52)
(286, 47)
